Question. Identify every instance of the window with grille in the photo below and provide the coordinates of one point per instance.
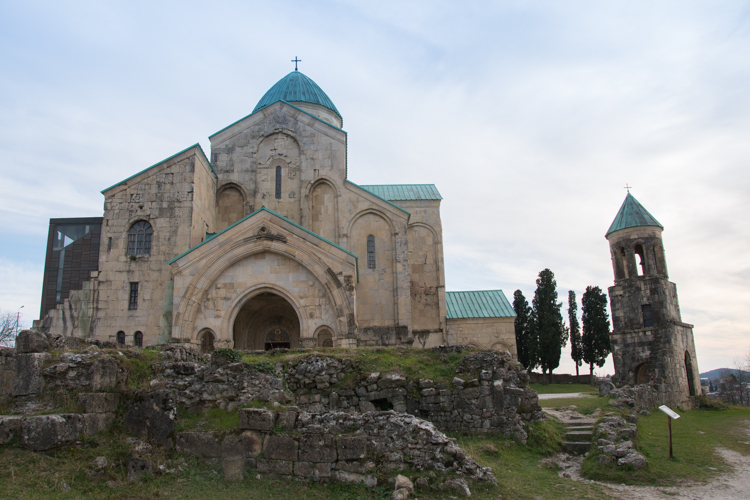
(139, 238)
(138, 337)
(278, 182)
(371, 252)
(133, 304)
(121, 338)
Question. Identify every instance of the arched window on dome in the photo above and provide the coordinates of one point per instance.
(371, 252)
(278, 182)
(139, 238)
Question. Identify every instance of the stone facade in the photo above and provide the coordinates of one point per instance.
(650, 343)
(267, 245)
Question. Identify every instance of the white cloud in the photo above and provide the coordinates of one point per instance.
(529, 117)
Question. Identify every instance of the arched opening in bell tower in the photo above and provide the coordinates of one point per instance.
(266, 321)
(640, 260)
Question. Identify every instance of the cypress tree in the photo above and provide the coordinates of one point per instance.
(595, 339)
(547, 330)
(522, 309)
(575, 330)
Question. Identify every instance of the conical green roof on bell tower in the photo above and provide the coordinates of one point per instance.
(632, 214)
(296, 87)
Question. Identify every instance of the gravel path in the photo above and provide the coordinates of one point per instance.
(566, 395)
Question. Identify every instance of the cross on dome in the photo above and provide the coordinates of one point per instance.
(295, 61)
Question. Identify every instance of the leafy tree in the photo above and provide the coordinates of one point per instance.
(595, 339)
(575, 330)
(523, 340)
(547, 329)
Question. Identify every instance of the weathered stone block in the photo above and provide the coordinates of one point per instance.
(104, 374)
(234, 468)
(286, 419)
(153, 415)
(317, 448)
(198, 443)
(47, 431)
(29, 341)
(391, 379)
(353, 477)
(94, 423)
(280, 447)
(281, 467)
(252, 442)
(99, 402)
(10, 429)
(255, 419)
(351, 447)
(28, 379)
(314, 470)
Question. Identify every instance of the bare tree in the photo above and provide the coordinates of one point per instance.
(734, 385)
(8, 328)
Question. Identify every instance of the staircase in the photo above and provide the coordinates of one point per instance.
(579, 429)
(578, 434)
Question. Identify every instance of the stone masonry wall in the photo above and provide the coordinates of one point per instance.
(495, 396)
(351, 448)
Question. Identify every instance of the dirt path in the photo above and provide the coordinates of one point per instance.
(731, 486)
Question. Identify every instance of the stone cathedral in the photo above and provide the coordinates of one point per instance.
(266, 244)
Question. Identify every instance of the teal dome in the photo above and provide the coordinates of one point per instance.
(632, 214)
(296, 87)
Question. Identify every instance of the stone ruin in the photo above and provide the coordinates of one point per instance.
(323, 406)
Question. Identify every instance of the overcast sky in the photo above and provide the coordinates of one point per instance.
(529, 117)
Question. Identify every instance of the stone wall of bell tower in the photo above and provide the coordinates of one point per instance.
(650, 343)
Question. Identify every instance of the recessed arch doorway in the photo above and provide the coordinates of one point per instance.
(266, 321)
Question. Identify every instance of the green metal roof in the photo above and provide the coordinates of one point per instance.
(408, 218)
(296, 87)
(478, 304)
(632, 214)
(404, 192)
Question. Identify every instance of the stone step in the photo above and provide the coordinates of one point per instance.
(579, 428)
(579, 436)
(576, 447)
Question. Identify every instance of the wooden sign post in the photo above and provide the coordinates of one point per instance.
(671, 415)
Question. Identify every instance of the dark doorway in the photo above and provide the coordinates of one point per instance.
(641, 373)
(266, 321)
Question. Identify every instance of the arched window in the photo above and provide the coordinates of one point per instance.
(139, 238)
(325, 339)
(640, 264)
(138, 337)
(371, 252)
(207, 342)
(278, 182)
(121, 338)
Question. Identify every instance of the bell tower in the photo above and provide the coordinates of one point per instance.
(650, 343)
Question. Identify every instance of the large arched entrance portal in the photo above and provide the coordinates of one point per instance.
(266, 321)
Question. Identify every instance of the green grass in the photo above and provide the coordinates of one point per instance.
(213, 419)
(585, 406)
(564, 388)
(695, 436)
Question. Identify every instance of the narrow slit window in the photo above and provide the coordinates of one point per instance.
(139, 238)
(138, 338)
(371, 252)
(278, 182)
(648, 315)
(133, 304)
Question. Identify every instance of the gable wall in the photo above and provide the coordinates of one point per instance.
(176, 198)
